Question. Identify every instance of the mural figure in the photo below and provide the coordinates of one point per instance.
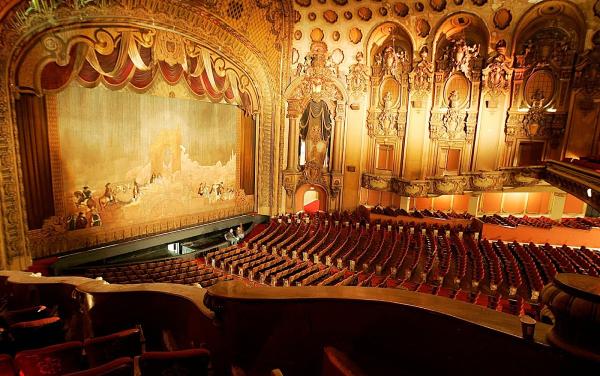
(81, 221)
(315, 129)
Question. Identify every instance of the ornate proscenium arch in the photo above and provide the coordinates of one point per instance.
(245, 78)
(316, 78)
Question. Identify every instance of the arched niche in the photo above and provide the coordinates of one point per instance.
(547, 41)
(306, 190)
(460, 48)
(30, 42)
(317, 91)
(390, 55)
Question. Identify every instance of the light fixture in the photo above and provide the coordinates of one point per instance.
(589, 192)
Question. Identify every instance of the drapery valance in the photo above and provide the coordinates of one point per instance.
(117, 58)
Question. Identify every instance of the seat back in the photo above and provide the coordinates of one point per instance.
(100, 350)
(52, 360)
(192, 361)
(26, 314)
(336, 363)
(37, 333)
(7, 366)
(118, 367)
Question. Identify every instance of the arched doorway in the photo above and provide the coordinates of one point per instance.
(311, 198)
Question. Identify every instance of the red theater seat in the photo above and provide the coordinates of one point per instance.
(118, 367)
(26, 314)
(336, 363)
(53, 360)
(37, 333)
(192, 361)
(7, 367)
(100, 350)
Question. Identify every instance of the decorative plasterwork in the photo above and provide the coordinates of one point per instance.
(358, 77)
(421, 76)
(459, 56)
(498, 72)
(484, 181)
(194, 21)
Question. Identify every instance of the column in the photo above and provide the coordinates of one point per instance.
(558, 205)
(338, 140)
(292, 115)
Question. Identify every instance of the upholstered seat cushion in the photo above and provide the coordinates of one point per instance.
(100, 350)
(52, 360)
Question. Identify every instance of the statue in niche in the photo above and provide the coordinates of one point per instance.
(422, 72)
(358, 76)
(451, 119)
(315, 129)
(387, 117)
(391, 62)
(459, 56)
(496, 75)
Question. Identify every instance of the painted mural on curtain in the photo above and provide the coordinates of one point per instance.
(128, 158)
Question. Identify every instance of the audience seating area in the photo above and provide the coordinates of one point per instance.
(542, 222)
(34, 344)
(395, 212)
(174, 270)
(324, 251)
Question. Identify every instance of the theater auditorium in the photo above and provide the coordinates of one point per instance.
(299, 187)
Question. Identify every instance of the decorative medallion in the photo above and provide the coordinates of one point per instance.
(365, 13)
(422, 27)
(297, 16)
(297, 35)
(337, 56)
(316, 35)
(383, 11)
(502, 18)
(438, 5)
(348, 15)
(355, 35)
(335, 35)
(295, 56)
(479, 2)
(303, 3)
(312, 16)
(419, 7)
(330, 16)
(402, 9)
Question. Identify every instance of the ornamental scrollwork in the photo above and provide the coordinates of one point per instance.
(358, 77)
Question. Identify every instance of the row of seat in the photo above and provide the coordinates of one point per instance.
(389, 256)
(176, 270)
(541, 222)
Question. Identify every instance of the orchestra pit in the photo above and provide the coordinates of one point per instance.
(299, 187)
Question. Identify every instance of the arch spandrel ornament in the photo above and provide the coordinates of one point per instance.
(19, 31)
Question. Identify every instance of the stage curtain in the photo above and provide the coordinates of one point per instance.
(35, 158)
(248, 135)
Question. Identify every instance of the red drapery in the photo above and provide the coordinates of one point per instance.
(35, 159)
(118, 72)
